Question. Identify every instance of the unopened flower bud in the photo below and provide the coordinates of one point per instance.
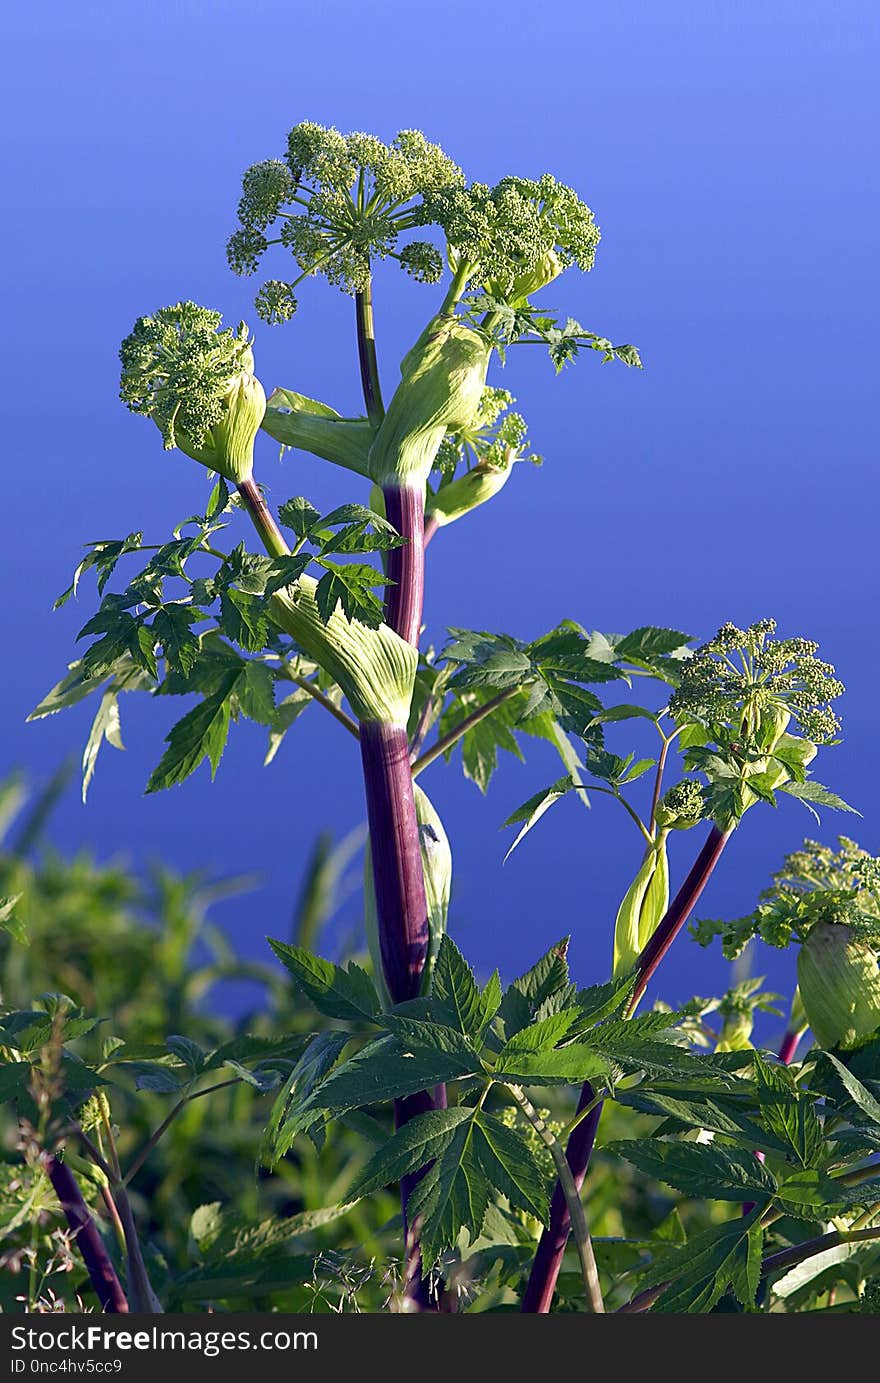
(682, 807)
(442, 383)
(643, 907)
(228, 446)
(839, 984)
(736, 1033)
(548, 267)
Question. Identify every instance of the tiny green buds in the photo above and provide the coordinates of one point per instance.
(338, 202)
(839, 985)
(196, 381)
(682, 807)
(487, 451)
(753, 684)
(514, 238)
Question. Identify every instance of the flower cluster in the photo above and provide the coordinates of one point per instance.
(177, 368)
(683, 806)
(342, 201)
(848, 871)
(496, 437)
(753, 683)
(516, 236)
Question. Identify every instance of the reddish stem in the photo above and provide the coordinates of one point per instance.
(405, 509)
(102, 1273)
(789, 1047)
(399, 883)
(541, 1286)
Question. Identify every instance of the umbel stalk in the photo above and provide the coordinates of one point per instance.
(541, 1285)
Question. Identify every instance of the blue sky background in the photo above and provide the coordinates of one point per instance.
(729, 152)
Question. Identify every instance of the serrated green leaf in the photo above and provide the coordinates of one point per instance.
(255, 692)
(812, 1195)
(286, 713)
(349, 586)
(858, 1093)
(414, 1145)
(201, 734)
(701, 1271)
(338, 993)
(382, 1071)
(546, 978)
(299, 515)
(420, 1037)
(244, 619)
(644, 644)
(511, 1167)
(456, 998)
(284, 572)
(105, 726)
(319, 1057)
(701, 1112)
(789, 1114)
(452, 1195)
(530, 812)
(814, 794)
(172, 627)
(699, 1169)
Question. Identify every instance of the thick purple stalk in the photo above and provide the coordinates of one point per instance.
(789, 1047)
(405, 509)
(398, 880)
(102, 1273)
(541, 1286)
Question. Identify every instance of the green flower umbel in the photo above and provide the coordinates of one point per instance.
(196, 381)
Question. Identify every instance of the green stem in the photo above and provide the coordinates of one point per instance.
(322, 699)
(141, 1296)
(154, 1138)
(369, 365)
(455, 734)
(579, 1227)
(456, 287)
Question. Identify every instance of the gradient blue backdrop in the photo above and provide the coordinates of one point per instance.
(729, 152)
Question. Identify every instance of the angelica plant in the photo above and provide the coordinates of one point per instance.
(312, 620)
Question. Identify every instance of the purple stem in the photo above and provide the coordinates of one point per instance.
(399, 883)
(431, 527)
(789, 1047)
(405, 509)
(102, 1273)
(541, 1285)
